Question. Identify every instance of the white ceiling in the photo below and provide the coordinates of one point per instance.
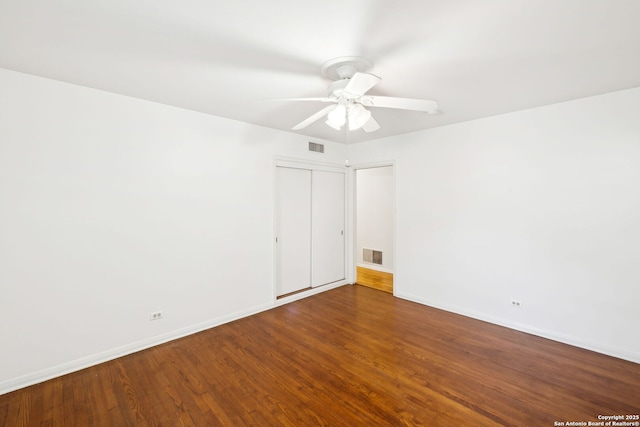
(477, 58)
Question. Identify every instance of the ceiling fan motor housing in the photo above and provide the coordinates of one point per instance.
(336, 89)
(346, 71)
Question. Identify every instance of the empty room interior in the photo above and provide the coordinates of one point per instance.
(320, 213)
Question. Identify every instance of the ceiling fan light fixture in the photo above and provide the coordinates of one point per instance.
(358, 116)
(337, 117)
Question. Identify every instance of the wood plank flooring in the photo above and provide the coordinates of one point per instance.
(374, 279)
(352, 356)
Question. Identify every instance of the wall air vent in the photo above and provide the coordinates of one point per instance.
(318, 148)
(372, 256)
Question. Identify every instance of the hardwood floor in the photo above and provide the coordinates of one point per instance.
(352, 356)
(374, 279)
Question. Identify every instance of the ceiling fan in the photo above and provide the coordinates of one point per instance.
(347, 95)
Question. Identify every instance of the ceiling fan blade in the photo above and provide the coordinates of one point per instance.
(315, 117)
(425, 105)
(371, 125)
(360, 83)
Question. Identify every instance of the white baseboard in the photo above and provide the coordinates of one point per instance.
(95, 359)
(552, 335)
(375, 267)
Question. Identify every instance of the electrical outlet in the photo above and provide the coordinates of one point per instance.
(156, 315)
(515, 303)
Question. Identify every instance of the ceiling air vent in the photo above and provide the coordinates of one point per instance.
(318, 148)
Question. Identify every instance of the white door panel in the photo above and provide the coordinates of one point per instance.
(327, 234)
(293, 228)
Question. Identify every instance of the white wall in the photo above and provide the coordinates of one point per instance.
(374, 211)
(113, 207)
(541, 206)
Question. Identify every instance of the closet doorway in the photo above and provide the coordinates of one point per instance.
(375, 207)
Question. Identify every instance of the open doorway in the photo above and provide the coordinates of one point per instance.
(374, 227)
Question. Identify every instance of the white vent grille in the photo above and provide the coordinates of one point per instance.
(372, 256)
(314, 146)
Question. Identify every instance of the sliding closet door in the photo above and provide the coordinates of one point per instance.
(293, 225)
(327, 233)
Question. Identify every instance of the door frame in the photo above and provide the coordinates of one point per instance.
(353, 215)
